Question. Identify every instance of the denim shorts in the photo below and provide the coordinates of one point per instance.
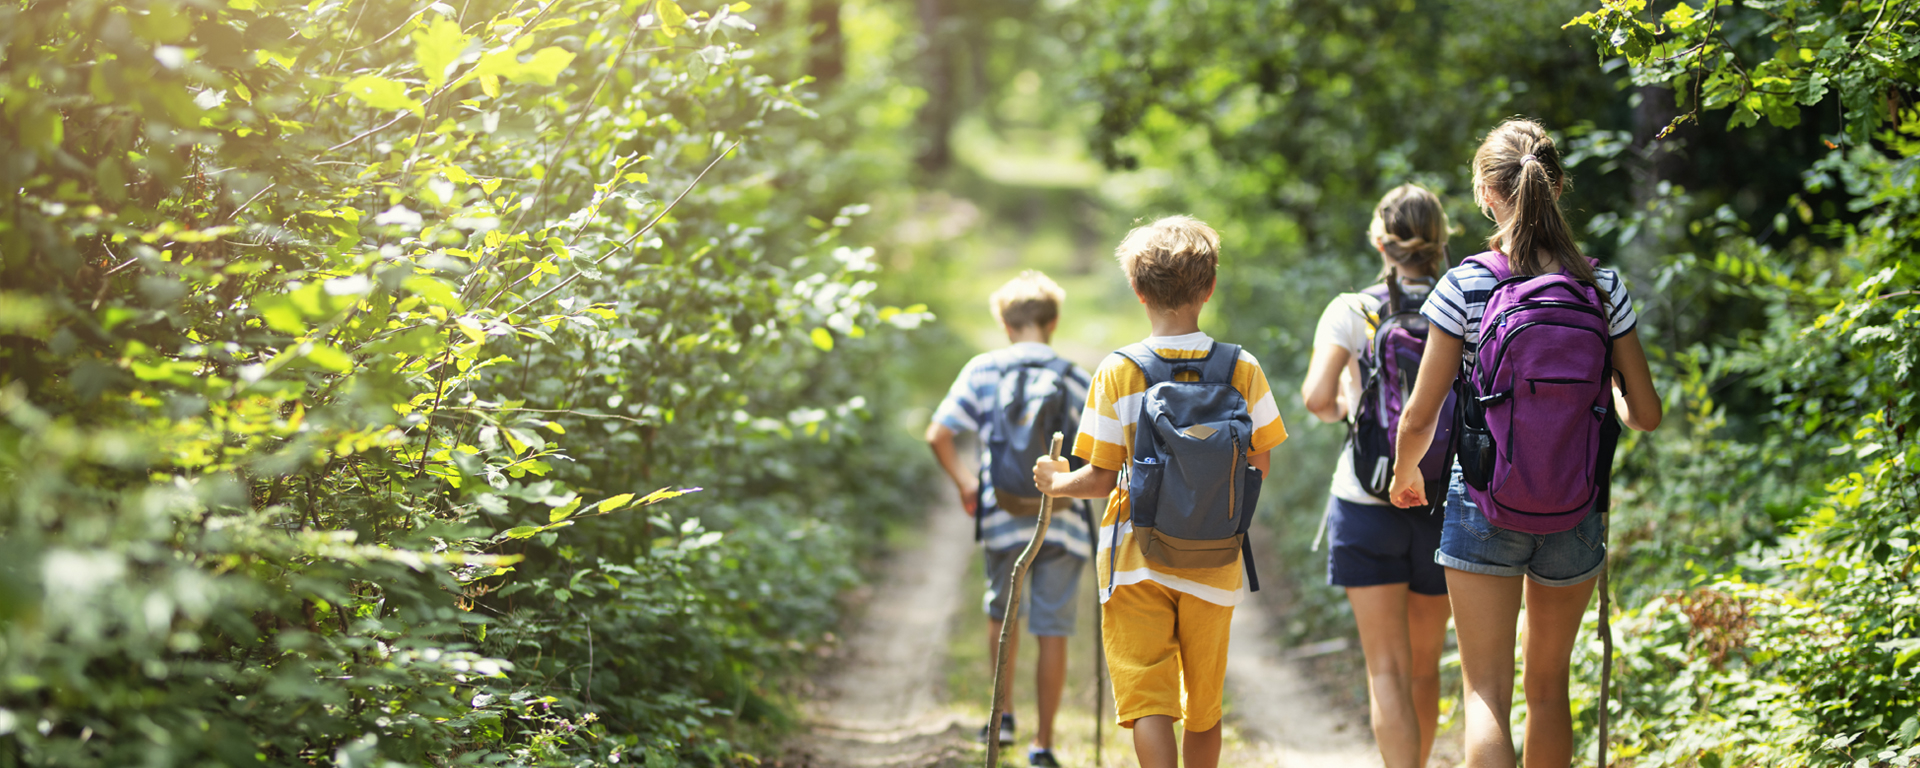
(1048, 603)
(1470, 543)
(1369, 545)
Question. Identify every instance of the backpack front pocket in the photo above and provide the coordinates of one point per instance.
(1556, 476)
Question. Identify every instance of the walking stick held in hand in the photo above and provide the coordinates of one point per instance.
(1002, 685)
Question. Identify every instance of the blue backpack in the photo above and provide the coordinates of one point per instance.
(1190, 486)
(1030, 405)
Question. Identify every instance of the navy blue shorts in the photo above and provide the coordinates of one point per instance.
(1369, 545)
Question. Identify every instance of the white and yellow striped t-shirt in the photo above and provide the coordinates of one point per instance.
(1106, 441)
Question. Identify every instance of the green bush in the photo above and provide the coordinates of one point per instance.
(352, 358)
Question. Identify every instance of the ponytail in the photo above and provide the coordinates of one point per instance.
(1519, 165)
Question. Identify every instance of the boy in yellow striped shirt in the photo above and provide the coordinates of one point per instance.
(1165, 628)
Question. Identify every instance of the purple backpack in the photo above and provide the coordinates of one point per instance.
(1388, 370)
(1537, 428)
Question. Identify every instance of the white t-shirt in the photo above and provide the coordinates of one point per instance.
(1345, 324)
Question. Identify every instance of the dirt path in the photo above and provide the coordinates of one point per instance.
(883, 701)
(902, 691)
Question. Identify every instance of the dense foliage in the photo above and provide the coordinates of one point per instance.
(352, 358)
(1802, 652)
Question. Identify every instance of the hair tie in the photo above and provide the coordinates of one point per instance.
(1528, 158)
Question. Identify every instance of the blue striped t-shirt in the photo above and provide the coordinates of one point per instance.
(1458, 302)
(968, 408)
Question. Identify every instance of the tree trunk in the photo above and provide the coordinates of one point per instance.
(938, 114)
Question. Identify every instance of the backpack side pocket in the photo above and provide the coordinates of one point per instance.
(1476, 444)
(1143, 490)
(1250, 480)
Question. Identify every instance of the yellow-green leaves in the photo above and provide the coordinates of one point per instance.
(382, 94)
(437, 48)
(543, 68)
(434, 292)
(823, 339)
(564, 511)
(672, 18)
(613, 502)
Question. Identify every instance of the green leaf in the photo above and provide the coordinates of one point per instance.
(822, 339)
(522, 532)
(382, 94)
(43, 129)
(437, 48)
(612, 503)
(671, 17)
(279, 314)
(564, 511)
(329, 357)
(543, 68)
(434, 291)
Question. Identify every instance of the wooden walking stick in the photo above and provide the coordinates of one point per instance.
(1606, 664)
(1002, 685)
(1609, 441)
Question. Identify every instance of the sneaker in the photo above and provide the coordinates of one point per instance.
(1041, 758)
(1006, 730)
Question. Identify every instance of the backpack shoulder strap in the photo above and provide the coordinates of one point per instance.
(1061, 366)
(1150, 363)
(1221, 363)
(1493, 261)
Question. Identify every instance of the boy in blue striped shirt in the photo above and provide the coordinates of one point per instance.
(1028, 309)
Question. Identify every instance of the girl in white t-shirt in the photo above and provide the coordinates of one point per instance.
(1381, 554)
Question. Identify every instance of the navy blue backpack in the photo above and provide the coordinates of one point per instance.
(1190, 485)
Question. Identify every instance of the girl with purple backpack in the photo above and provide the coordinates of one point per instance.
(1383, 555)
(1539, 346)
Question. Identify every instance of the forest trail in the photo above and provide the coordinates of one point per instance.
(901, 691)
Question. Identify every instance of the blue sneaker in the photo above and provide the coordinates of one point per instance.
(1006, 730)
(1041, 758)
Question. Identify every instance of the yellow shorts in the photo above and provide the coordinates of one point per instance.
(1167, 653)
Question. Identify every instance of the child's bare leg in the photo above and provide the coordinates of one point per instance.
(1553, 628)
(1153, 742)
(1201, 749)
(1049, 679)
(1486, 613)
(1427, 630)
(1381, 613)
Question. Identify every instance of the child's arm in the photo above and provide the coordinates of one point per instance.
(1262, 461)
(940, 439)
(1321, 391)
(1088, 482)
(1439, 364)
(1635, 398)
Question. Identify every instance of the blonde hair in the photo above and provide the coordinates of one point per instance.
(1171, 262)
(1031, 299)
(1519, 165)
(1409, 226)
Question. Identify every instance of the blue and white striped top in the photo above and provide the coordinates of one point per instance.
(968, 407)
(1458, 302)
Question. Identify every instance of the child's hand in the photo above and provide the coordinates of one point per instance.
(969, 495)
(1409, 487)
(1044, 472)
